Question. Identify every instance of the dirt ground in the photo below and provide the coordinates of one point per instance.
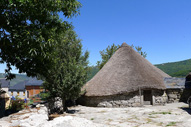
(175, 114)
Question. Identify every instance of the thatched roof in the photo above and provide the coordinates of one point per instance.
(126, 71)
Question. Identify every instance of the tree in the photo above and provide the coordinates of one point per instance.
(69, 72)
(106, 55)
(139, 50)
(110, 50)
(28, 29)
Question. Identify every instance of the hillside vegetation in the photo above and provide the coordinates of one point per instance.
(19, 78)
(176, 69)
(92, 72)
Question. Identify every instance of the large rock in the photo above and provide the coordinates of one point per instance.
(33, 118)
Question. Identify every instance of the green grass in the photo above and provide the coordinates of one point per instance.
(164, 113)
(171, 124)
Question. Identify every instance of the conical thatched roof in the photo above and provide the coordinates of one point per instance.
(126, 71)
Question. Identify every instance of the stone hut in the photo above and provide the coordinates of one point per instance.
(126, 80)
(187, 91)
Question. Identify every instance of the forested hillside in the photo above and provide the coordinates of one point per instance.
(176, 69)
(19, 78)
(92, 71)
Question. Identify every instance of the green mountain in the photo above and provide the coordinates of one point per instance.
(176, 69)
(19, 78)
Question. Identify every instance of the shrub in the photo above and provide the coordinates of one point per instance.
(17, 105)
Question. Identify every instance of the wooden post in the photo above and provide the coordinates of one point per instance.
(140, 96)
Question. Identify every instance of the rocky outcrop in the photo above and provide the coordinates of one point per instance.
(38, 117)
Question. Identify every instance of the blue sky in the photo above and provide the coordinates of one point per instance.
(161, 27)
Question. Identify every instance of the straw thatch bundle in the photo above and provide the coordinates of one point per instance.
(126, 71)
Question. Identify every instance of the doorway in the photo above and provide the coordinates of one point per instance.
(147, 97)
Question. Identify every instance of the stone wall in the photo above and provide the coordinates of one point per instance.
(159, 97)
(125, 100)
(174, 95)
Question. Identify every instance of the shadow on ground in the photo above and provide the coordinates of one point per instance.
(188, 110)
(72, 111)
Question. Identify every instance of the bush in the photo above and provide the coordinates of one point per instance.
(17, 105)
(44, 96)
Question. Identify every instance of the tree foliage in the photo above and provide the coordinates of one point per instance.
(28, 29)
(106, 55)
(139, 50)
(69, 72)
(110, 50)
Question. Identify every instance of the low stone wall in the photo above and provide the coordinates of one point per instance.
(174, 95)
(125, 100)
(159, 97)
(128, 100)
(132, 99)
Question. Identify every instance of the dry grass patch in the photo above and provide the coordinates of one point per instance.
(26, 117)
(149, 120)
(81, 113)
(52, 116)
(160, 124)
(103, 111)
(153, 116)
